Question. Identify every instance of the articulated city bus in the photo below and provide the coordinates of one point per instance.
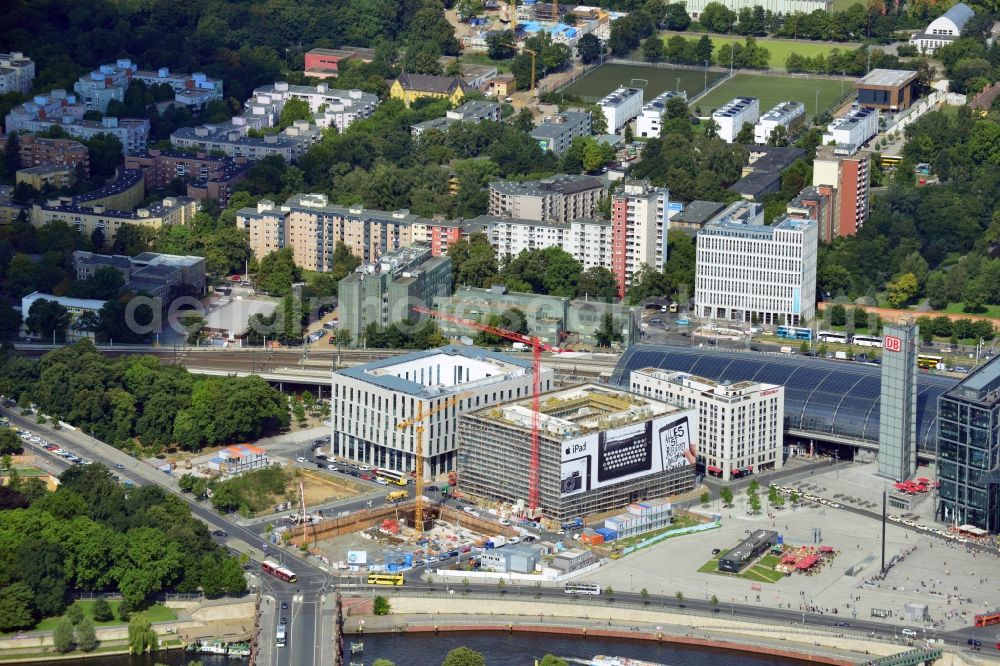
(582, 588)
(279, 639)
(278, 571)
(385, 579)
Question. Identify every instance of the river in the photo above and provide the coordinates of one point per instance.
(501, 649)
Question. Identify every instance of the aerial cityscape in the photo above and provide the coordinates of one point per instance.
(500, 332)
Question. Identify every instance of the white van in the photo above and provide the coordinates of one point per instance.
(786, 350)
(909, 632)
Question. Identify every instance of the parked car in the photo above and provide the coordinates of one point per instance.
(300, 459)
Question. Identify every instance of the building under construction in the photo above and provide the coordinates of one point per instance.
(600, 449)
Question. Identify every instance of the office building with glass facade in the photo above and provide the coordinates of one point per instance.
(897, 432)
(969, 450)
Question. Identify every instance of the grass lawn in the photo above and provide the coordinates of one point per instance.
(780, 48)
(679, 523)
(842, 5)
(601, 80)
(992, 311)
(774, 89)
(156, 613)
(483, 59)
(762, 572)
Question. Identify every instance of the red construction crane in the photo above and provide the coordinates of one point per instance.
(537, 347)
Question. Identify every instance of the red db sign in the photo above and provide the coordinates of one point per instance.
(893, 344)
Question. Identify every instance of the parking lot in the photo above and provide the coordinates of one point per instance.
(952, 579)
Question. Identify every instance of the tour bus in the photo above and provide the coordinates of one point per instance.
(832, 336)
(385, 579)
(280, 640)
(582, 588)
(929, 361)
(278, 571)
(889, 161)
(867, 340)
(795, 333)
(397, 478)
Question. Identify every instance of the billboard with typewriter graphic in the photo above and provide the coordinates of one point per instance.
(661, 444)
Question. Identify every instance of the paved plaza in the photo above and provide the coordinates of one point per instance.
(952, 581)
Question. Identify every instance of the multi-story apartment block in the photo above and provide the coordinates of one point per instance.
(385, 291)
(650, 121)
(556, 133)
(312, 228)
(37, 151)
(620, 107)
(740, 424)
(232, 140)
(749, 272)
(173, 210)
(208, 177)
(734, 114)
(440, 233)
(370, 400)
(330, 107)
(588, 240)
(58, 108)
(852, 130)
(784, 114)
(850, 177)
(556, 199)
(638, 230)
(9, 211)
(55, 176)
(17, 73)
(474, 112)
(109, 82)
(816, 203)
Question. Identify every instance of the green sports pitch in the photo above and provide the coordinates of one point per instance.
(654, 80)
(774, 89)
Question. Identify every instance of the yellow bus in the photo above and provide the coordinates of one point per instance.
(393, 477)
(385, 579)
(928, 361)
(891, 161)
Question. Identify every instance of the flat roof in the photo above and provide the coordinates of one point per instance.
(982, 385)
(743, 551)
(234, 316)
(886, 78)
(392, 373)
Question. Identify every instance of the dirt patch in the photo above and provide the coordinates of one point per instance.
(321, 488)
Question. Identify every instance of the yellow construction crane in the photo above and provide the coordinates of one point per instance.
(418, 422)
(513, 18)
(533, 55)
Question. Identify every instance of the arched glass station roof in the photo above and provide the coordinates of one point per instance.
(827, 400)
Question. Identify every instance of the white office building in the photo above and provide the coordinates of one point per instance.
(852, 130)
(740, 424)
(785, 114)
(747, 271)
(650, 120)
(371, 400)
(695, 7)
(943, 30)
(732, 116)
(340, 108)
(620, 106)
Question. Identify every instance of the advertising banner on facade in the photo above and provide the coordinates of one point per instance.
(355, 557)
(660, 444)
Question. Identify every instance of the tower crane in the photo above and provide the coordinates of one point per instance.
(537, 347)
(417, 422)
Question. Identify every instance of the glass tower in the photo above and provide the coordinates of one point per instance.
(897, 431)
(969, 452)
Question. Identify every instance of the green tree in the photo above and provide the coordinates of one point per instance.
(754, 503)
(10, 443)
(62, 636)
(902, 289)
(714, 600)
(12, 154)
(102, 610)
(706, 497)
(679, 595)
(383, 662)
(16, 610)
(86, 635)
(500, 45)
(46, 318)
(597, 283)
(745, 135)
(473, 261)
(75, 613)
(717, 17)
(726, 494)
(793, 497)
(40, 563)
(609, 331)
(277, 272)
(675, 17)
(294, 109)
(141, 636)
(463, 656)
(381, 606)
(552, 660)
(652, 49)
(589, 48)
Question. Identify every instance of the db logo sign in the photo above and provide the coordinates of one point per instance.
(893, 343)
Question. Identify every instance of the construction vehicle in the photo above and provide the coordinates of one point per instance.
(396, 496)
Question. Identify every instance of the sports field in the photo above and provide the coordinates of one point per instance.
(773, 89)
(601, 80)
(780, 48)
